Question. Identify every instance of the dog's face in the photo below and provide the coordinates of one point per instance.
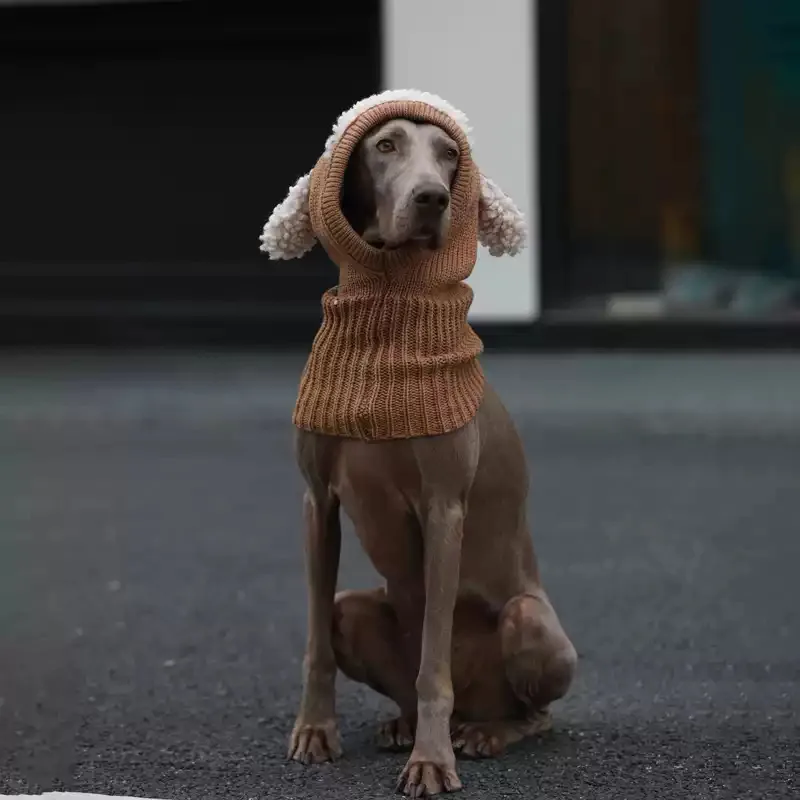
(397, 186)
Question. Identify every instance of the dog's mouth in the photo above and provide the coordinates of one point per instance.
(427, 237)
(372, 236)
(426, 234)
(430, 236)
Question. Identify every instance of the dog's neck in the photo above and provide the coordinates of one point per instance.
(396, 357)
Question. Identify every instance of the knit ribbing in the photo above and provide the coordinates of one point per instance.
(395, 356)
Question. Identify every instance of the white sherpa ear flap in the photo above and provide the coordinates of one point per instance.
(288, 232)
(501, 225)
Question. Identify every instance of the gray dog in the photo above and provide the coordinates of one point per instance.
(461, 636)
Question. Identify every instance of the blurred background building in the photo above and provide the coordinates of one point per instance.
(655, 145)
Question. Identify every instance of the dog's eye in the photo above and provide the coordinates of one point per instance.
(385, 145)
(451, 153)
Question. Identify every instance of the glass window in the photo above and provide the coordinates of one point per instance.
(683, 157)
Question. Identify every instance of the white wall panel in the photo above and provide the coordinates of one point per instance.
(480, 56)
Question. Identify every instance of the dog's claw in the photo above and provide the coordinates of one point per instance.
(314, 744)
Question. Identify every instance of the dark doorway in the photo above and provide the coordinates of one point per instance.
(144, 144)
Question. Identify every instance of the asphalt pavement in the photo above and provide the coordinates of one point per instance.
(152, 603)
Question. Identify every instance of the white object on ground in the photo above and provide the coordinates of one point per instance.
(70, 796)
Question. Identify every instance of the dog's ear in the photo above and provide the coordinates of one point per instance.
(501, 225)
(288, 232)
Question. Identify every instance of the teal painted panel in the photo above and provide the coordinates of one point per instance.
(750, 52)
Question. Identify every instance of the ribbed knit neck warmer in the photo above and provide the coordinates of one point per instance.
(395, 356)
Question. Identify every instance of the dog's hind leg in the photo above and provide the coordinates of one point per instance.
(369, 648)
(538, 666)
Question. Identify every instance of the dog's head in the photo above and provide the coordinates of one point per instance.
(397, 185)
(398, 166)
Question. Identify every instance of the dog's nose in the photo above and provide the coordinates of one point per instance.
(432, 197)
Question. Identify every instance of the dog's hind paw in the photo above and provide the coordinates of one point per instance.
(396, 734)
(490, 739)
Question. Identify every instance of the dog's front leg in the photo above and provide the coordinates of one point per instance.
(431, 768)
(315, 737)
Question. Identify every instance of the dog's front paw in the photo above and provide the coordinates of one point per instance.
(315, 743)
(424, 778)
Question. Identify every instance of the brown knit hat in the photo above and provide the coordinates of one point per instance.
(395, 356)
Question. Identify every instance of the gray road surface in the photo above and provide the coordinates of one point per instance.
(152, 606)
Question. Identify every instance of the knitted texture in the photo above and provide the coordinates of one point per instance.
(289, 233)
(394, 357)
